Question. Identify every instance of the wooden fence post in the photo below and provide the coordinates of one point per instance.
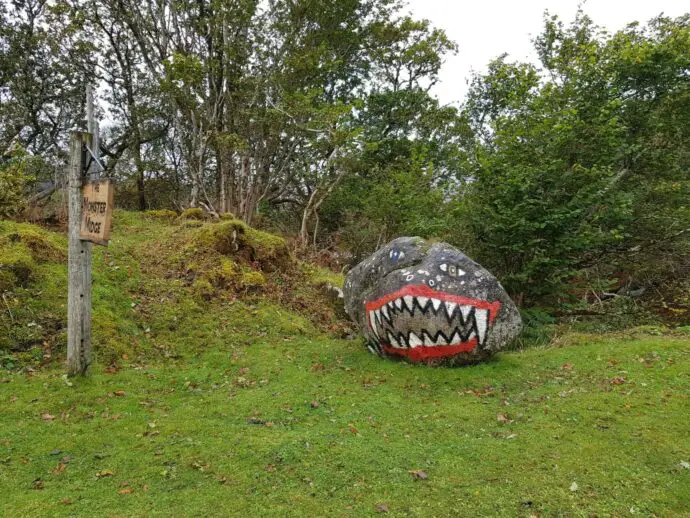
(79, 354)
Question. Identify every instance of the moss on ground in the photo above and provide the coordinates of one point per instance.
(149, 259)
(31, 276)
(164, 214)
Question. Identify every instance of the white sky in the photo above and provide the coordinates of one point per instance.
(484, 29)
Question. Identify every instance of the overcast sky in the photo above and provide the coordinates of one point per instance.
(484, 29)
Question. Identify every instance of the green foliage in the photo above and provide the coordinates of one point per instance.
(569, 168)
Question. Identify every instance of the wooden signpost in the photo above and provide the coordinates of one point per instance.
(90, 213)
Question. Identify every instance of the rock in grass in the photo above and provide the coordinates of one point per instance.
(429, 303)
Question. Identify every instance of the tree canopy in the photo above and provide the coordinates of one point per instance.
(317, 118)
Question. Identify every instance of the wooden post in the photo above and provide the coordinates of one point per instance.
(92, 127)
(79, 353)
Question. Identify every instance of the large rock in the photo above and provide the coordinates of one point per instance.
(429, 303)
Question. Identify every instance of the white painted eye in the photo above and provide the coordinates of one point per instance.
(409, 278)
(401, 255)
(431, 282)
(452, 270)
(444, 267)
(390, 254)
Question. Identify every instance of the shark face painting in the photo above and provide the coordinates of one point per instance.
(429, 303)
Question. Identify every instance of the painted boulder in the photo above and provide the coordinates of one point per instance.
(429, 303)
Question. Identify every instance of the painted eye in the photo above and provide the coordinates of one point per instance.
(452, 270)
(396, 255)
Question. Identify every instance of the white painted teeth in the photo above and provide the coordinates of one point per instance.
(372, 323)
(450, 308)
(475, 321)
(384, 310)
(454, 338)
(481, 317)
(414, 340)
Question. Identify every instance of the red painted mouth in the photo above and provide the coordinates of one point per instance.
(420, 323)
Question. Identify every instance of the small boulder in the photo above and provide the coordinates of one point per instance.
(429, 303)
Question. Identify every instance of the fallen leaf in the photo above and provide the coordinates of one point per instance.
(120, 393)
(503, 419)
(102, 474)
(38, 484)
(146, 487)
(47, 417)
(55, 452)
(618, 380)
(684, 464)
(574, 487)
(125, 491)
(315, 404)
(381, 508)
(567, 366)
(353, 429)
(59, 468)
(66, 501)
(271, 468)
(418, 474)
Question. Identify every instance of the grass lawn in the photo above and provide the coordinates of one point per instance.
(313, 426)
(244, 407)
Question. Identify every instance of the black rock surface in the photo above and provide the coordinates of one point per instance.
(429, 303)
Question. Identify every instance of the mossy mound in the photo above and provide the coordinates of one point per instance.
(33, 271)
(17, 268)
(235, 239)
(193, 213)
(21, 249)
(39, 245)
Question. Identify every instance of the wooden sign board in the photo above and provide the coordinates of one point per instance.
(97, 211)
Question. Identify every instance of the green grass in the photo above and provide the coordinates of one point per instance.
(244, 407)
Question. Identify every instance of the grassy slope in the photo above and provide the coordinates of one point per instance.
(179, 425)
